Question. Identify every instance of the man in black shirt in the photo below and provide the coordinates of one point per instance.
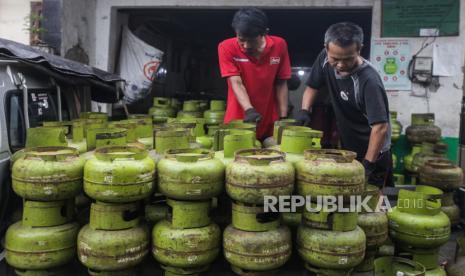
(358, 98)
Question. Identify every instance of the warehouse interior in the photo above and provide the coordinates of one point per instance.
(94, 182)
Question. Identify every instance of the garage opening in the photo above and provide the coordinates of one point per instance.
(189, 40)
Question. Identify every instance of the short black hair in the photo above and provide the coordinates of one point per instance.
(250, 22)
(344, 34)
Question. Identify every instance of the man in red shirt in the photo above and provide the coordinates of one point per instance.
(257, 68)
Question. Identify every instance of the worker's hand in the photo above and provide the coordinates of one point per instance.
(252, 116)
(303, 117)
(369, 168)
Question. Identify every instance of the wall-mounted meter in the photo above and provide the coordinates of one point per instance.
(421, 70)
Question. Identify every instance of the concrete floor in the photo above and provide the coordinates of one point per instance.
(221, 268)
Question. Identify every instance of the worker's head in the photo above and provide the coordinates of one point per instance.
(343, 42)
(251, 26)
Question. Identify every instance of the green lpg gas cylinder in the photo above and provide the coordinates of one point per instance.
(162, 109)
(417, 221)
(48, 174)
(256, 252)
(442, 174)
(422, 129)
(190, 174)
(190, 109)
(279, 126)
(296, 139)
(112, 251)
(429, 152)
(451, 209)
(259, 172)
(40, 248)
(119, 174)
(330, 172)
(215, 114)
(388, 266)
(334, 250)
(191, 249)
(227, 141)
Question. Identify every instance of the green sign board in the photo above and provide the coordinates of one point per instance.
(407, 18)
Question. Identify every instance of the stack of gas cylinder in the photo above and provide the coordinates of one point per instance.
(329, 240)
(443, 174)
(117, 178)
(212, 174)
(194, 115)
(422, 130)
(187, 241)
(255, 242)
(418, 227)
(44, 241)
(421, 221)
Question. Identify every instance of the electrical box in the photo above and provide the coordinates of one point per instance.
(422, 70)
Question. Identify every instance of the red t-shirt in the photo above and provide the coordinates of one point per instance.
(259, 77)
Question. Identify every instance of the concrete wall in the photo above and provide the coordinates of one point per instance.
(100, 31)
(445, 102)
(13, 15)
(79, 26)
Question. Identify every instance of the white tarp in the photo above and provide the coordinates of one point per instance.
(137, 64)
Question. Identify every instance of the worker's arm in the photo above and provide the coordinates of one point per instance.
(240, 92)
(308, 98)
(303, 117)
(377, 136)
(282, 97)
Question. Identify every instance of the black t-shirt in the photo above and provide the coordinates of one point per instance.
(359, 101)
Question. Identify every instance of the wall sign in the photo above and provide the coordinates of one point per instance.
(410, 18)
(390, 57)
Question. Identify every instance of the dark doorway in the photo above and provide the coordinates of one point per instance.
(189, 38)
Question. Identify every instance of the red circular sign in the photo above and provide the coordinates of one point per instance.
(149, 68)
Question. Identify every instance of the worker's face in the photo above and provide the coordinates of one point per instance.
(251, 45)
(343, 59)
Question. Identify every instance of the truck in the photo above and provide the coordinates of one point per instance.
(37, 87)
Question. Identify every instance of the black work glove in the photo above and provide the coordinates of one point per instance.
(303, 117)
(252, 116)
(369, 168)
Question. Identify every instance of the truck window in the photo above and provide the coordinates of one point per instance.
(15, 121)
(41, 107)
